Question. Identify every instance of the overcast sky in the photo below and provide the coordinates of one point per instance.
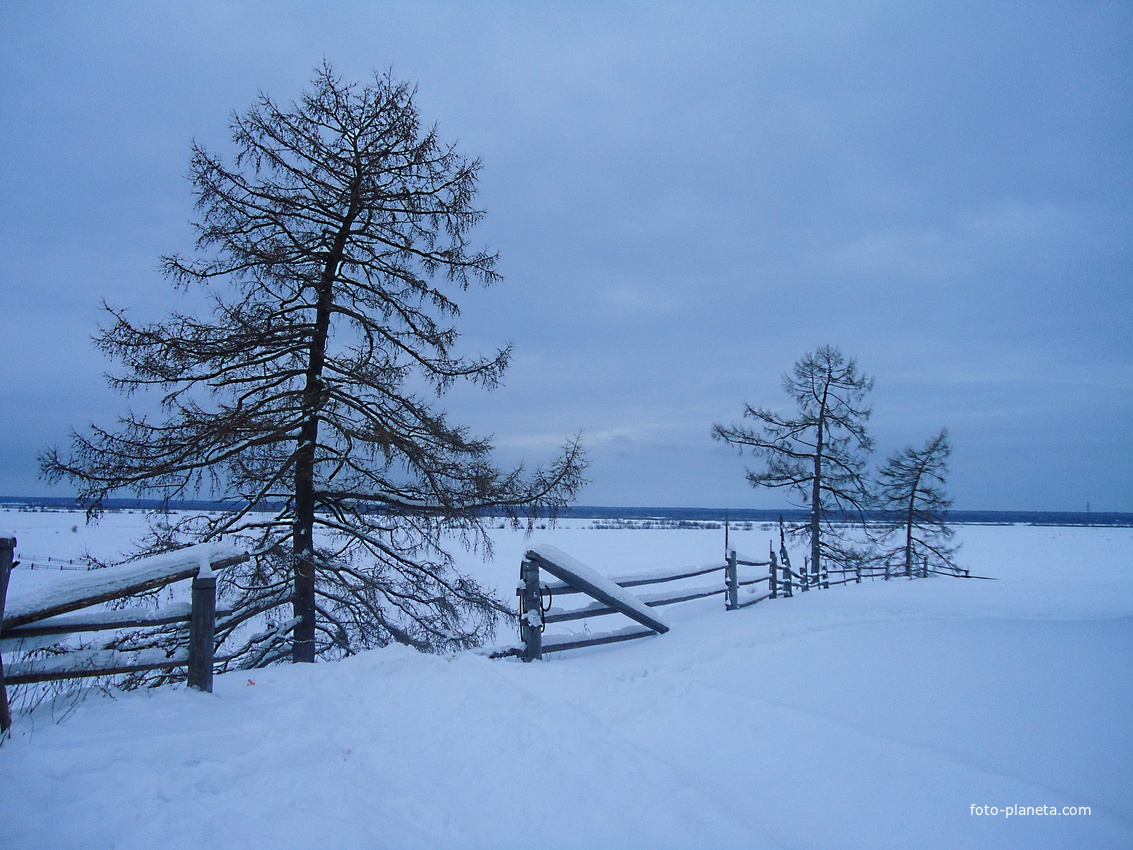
(686, 198)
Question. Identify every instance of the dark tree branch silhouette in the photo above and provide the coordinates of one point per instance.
(911, 492)
(332, 248)
(818, 452)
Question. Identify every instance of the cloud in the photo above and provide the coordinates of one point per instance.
(686, 198)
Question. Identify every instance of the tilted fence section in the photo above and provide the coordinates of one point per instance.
(42, 619)
(569, 578)
(539, 597)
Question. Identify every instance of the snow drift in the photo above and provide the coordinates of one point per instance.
(878, 715)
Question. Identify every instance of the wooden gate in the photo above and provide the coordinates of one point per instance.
(611, 596)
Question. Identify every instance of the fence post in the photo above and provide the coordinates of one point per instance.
(774, 581)
(733, 582)
(7, 548)
(788, 576)
(530, 612)
(202, 631)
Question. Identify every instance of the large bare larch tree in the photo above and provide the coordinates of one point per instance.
(332, 247)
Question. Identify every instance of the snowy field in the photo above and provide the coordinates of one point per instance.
(879, 715)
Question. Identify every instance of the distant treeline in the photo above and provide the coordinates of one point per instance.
(600, 512)
(793, 514)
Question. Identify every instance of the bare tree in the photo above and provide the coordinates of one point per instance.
(910, 492)
(818, 452)
(331, 247)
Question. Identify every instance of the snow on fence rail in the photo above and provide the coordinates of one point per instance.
(611, 595)
(50, 613)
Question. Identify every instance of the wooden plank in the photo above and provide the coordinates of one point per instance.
(673, 597)
(97, 586)
(642, 579)
(99, 621)
(92, 662)
(531, 622)
(653, 600)
(94, 621)
(566, 568)
(45, 633)
(593, 609)
(666, 575)
(565, 642)
(732, 582)
(748, 561)
(202, 630)
(752, 581)
(747, 602)
(772, 577)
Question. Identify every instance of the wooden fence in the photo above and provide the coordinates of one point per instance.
(41, 619)
(537, 607)
(537, 598)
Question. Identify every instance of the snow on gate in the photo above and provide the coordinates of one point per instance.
(611, 596)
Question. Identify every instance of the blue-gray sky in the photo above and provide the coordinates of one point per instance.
(686, 197)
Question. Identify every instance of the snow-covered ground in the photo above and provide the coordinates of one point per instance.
(879, 715)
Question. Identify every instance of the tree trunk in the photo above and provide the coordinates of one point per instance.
(909, 526)
(303, 536)
(816, 498)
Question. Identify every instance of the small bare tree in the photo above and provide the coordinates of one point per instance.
(331, 247)
(911, 493)
(818, 452)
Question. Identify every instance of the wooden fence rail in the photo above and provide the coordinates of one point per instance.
(611, 596)
(537, 607)
(38, 620)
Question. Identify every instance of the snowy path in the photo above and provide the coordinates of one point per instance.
(871, 716)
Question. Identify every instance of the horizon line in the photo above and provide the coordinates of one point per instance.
(719, 514)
